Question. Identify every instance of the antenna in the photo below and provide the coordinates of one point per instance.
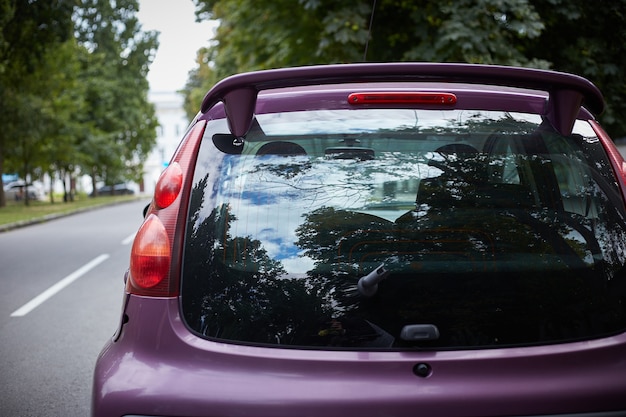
(369, 32)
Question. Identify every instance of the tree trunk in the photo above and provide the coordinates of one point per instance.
(72, 187)
(93, 183)
(63, 176)
(3, 201)
(26, 181)
(51, 191)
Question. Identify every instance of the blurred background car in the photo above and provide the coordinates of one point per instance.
(16, 190)
(117, 189)
(380, 240)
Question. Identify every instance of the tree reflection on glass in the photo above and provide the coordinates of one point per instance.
(482, 256)
(235, 290)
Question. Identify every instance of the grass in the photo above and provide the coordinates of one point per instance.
(17, 211)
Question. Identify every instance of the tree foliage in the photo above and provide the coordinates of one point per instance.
(563, 35)
(120, 122)
(30, 30)
(73, 89)
(42, 143)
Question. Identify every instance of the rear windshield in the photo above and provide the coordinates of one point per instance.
(403, 229)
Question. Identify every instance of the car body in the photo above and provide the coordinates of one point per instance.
(14, 190)
(406, 239)
(117, 189)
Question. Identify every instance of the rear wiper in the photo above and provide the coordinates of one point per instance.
(368, 284)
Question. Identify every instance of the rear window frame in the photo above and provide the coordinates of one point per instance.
(285, 99)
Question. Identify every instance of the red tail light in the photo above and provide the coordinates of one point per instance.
(150, 256)
(169, 185)
(155, 255)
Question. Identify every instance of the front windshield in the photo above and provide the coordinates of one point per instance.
(350, 229)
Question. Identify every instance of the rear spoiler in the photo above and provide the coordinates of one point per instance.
(566, 92)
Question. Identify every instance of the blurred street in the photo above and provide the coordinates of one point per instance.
(62, 285)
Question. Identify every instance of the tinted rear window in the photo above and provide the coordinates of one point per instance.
(486, 229)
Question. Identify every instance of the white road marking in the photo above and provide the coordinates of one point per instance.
(129, 239)
(41, 298)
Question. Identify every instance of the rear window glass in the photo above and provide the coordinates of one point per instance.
(401, 229)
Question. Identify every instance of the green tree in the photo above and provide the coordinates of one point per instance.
(199, 82)
(562, 35)
(52, 93)
(61, 153)
(119, 126)
(29, 30)
(588, 38)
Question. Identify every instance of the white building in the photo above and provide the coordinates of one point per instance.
(172, 125)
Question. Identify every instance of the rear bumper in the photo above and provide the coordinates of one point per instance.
(158, 368)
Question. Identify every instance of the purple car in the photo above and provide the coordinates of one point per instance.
(404, 239)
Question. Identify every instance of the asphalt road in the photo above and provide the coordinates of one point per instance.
(61, 286)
